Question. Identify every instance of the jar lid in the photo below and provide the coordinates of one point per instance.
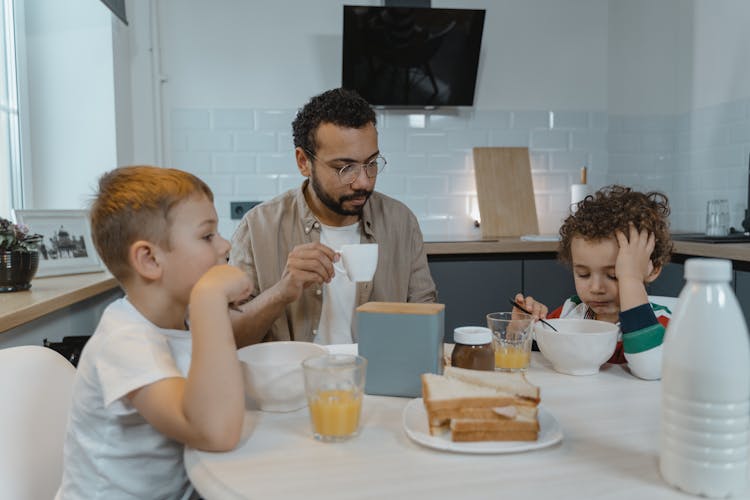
(708, 270)
(472, 335)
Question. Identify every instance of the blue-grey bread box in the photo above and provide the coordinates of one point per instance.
(401, 341)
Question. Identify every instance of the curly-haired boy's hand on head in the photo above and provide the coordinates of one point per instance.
(634, 267)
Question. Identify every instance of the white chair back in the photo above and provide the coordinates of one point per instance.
(663, 300)
(36, 384)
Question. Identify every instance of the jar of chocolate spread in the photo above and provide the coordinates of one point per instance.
(474, 348)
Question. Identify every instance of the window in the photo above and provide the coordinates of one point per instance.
(10, 158)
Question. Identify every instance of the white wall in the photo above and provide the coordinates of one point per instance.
(650, 50)
(234, 73)
(536, 54)
(541, 54)
(721, 52)
(71, 100)
(641, 90)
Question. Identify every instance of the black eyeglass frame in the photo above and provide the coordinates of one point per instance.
(379, 161)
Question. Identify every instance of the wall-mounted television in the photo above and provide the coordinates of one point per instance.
(412, 57)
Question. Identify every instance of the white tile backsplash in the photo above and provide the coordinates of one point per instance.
(432, 186)
(692, 157)
(247, 154)
(281, 163)
(234, 163)
(571, 119)
(206, 140)
(252, 187)
(195, 162)
(509, 138)
(190, 119)
(274, 120)
(465, 140)
(550, 140)
(490, 119)
(257, 142)
(233, 119)
(530, 119)
(433, 142)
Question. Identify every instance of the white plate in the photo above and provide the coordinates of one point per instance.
(415, 426)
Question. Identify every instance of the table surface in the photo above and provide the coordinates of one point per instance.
(610, 423)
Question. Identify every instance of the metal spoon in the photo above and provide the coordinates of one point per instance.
(515, 304)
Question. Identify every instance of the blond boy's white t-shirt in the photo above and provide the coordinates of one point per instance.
(335, 326)
(111, 451)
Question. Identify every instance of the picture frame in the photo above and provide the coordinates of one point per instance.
(67, 247)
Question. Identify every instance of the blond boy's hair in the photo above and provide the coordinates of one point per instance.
(134, 203)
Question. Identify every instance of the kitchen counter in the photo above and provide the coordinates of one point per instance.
(739, 252)
(51, 294)
(54, 293)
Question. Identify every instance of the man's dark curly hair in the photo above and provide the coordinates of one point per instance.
(612, 208)
(341, 107)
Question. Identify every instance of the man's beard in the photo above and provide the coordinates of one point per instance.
(338, 206)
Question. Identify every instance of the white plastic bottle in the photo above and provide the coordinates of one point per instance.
(705, 413)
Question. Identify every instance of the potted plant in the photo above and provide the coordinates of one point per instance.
(19, 256)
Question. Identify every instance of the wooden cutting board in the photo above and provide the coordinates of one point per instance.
(505, 192)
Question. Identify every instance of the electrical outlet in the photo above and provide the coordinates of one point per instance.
(238, 208)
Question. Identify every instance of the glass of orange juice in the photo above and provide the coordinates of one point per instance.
(513, 336)
(334, 385)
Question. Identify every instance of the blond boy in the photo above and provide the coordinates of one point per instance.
(154, 378)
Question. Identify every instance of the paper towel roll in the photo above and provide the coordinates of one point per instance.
(577, 193)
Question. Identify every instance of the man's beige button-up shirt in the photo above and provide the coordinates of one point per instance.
(270, 231)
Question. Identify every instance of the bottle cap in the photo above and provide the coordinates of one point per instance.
(472, 335)
(708, 270)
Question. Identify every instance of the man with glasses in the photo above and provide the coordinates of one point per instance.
(287, 244)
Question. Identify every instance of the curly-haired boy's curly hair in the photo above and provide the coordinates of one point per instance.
(341, 107)
(611, 209)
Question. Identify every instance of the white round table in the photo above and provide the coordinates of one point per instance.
(610, 423)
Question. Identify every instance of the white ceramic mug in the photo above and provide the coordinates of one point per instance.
(358, 262)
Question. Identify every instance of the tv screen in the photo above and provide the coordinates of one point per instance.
(412, 57)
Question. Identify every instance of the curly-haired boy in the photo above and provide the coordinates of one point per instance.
(616, 243)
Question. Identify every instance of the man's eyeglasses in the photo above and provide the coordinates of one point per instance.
(349, 172)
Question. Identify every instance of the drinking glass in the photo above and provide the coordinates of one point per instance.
(512, 332)
(717, 218)
(334, 385)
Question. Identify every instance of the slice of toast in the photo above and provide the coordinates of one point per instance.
(457, 389)
(473, 424)
(483, 405)
(513, 382)
(479, 435)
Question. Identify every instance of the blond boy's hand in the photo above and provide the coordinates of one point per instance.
(537, 309)
(230, 283)
(634, 256)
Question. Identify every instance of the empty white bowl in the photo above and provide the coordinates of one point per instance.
(579, 347)
(273, 373)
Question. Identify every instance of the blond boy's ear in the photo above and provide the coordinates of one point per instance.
(303, 163)
(655, 272)
(144, 259)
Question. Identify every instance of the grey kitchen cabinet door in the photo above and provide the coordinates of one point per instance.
(548, 281)
(670, 281)
(742, 289)
(472, 287)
